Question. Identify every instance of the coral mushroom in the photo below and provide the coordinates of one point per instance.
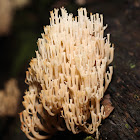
(9, 98)
(7, 10)
(68, 77)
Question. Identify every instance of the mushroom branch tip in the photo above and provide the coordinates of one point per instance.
(68, 77)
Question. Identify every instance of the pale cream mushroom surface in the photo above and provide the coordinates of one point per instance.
(68, 77)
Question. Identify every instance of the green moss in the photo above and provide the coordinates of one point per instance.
(127, 126)
(132, 65)
(89, 138)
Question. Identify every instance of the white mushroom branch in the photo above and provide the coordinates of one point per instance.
(68, 77)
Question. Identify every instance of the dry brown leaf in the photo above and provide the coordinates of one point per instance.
(106, 102)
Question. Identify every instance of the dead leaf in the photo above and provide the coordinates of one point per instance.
(106, 102)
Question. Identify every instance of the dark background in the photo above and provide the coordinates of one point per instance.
(18, 45)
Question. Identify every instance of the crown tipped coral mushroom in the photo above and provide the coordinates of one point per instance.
(68, 77)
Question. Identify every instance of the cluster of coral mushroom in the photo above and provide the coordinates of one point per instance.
(68, 77)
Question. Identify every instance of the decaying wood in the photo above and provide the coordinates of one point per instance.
(124, 121)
